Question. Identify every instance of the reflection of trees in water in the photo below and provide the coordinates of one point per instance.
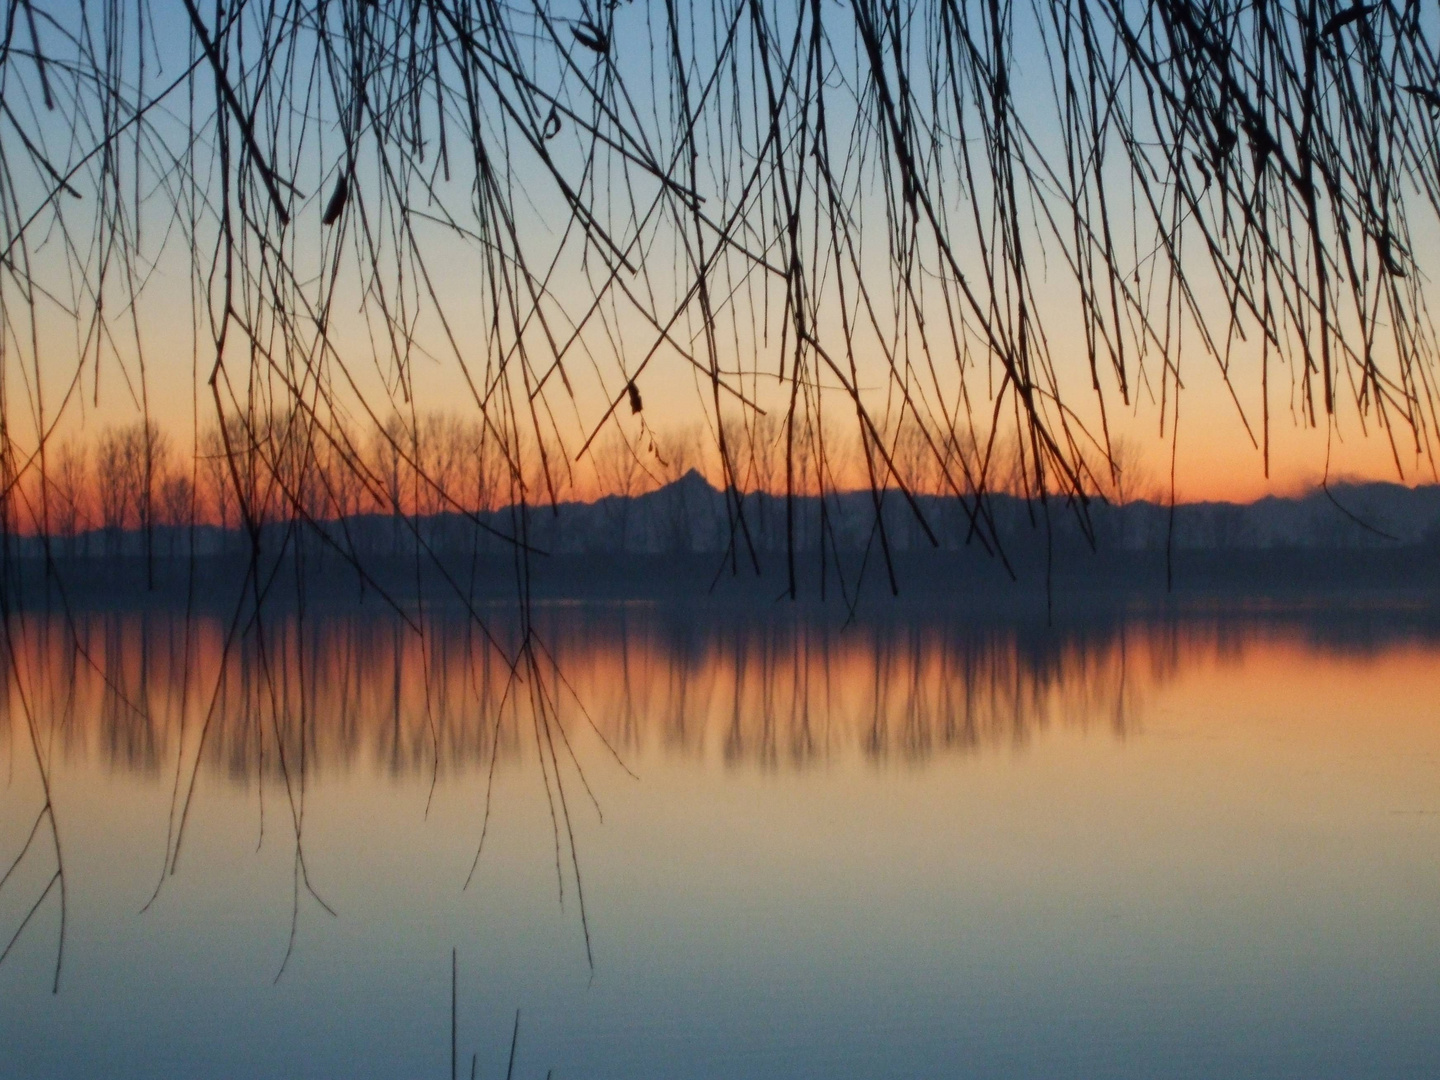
(291, 699)
(791, 692)
(342, 693)
(332, 695)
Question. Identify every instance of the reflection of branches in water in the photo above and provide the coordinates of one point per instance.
(40, 702)
(273, 702)
(328, 696)
(160, 695)
(791, 693)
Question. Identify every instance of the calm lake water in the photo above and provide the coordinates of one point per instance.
(1202, 846)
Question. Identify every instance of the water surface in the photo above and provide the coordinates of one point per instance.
(910, 846)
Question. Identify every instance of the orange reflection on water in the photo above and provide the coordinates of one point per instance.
(334, 694)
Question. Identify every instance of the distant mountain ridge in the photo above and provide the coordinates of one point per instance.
(691, 516)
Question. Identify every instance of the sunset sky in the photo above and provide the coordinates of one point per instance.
(158, 298)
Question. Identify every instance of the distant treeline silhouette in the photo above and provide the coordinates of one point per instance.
(136, 476)
(131, 494)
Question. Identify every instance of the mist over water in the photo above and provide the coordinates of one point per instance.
(1182, 845)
